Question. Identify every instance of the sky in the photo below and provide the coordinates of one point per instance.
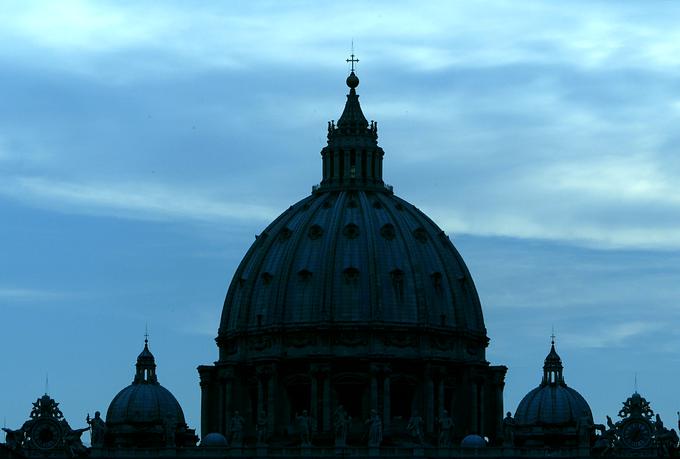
(144, 144)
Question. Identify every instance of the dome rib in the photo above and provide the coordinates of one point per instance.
(286, 267)
(375, 282)
(402, 238)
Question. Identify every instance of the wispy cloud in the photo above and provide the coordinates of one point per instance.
(132, 200)
(26, 294)
(611, 335)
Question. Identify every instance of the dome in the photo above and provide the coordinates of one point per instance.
(144, 403)
(551, 405)
(553, 408)
(473, 441)
(351, 298)
(146, 413)
(214, 439)
(350, 256)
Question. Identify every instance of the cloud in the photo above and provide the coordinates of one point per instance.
(23, 294)
(611, 335)
(129, 200)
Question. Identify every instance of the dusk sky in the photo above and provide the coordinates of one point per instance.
(144, 144)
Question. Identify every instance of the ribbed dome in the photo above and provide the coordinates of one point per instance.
(552, 403)
(145, 403)
(352, 255)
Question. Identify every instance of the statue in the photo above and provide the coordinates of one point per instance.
(415, 427)
(374, 429)
(97, 429)
(261, 428)
(508, 430)
(236, 429)
(445, 427)
(14, 438)
(304, 428)
(341, 423)
(72, 443)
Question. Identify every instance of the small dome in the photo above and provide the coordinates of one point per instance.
(145, 413)
(550, 413)
(551, 405)
(214, 439)
(145, 403)
(473, 441)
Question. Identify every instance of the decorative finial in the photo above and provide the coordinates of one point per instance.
(352, 60)
(552, 336)
(636, 384)
(146, 333)
(47, 383)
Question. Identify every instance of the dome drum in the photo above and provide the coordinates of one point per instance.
(284, 389)
(400, 343)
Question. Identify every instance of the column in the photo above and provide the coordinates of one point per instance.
(327, 424)
(226, 379)
(429, 399)
(314, 396)
(374, 369)
(205, 374)
(386, 398)
(474, 419)
(482, 411)
(272, 400)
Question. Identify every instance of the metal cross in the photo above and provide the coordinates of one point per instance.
(552, 335)
(352, 60)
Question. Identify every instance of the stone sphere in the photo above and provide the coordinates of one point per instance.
(473, 441)
(214, 439)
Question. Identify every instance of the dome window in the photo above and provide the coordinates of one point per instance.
(387, 231)
(437, 282)
(351, 231)
(397, 276)
(285, 234)
(398, 206)
(266, 278)
(420, 234)
(351, 275)
(352, 204)
(326, 204)
(305, 275)
(377, 205)
(315, 232)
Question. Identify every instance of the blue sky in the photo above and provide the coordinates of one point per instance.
(144, 144)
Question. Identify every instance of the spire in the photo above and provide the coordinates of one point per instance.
(352, 158)
(146, 365)
(552, 366)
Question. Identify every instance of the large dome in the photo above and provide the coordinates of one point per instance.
(352, 301)
(352, 255)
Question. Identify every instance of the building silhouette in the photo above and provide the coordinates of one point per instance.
(351, 327)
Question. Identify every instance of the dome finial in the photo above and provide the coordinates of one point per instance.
(352, 79)
(552, 336)
(146, 334)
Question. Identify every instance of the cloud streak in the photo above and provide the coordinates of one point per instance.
(129, 200)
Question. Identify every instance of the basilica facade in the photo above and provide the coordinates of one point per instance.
(352, 327)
